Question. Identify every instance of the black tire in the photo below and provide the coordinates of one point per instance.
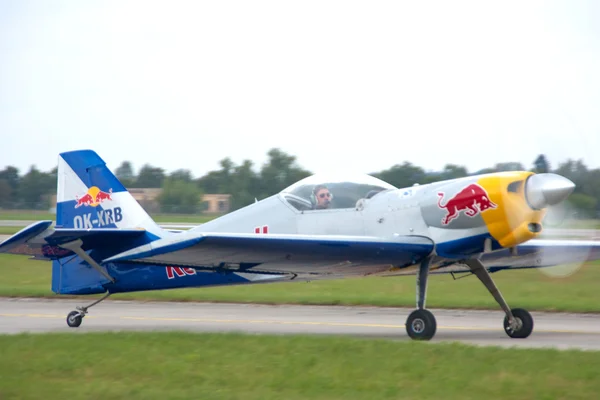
(421, 325)
(74, 319)
(526, 324)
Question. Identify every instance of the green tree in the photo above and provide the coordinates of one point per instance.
(181, 175)
(11, 176)
(245, 185)
(150, 177)
(584, 205)
(211, 182)
(280, 171)
(541, 164)
(5, 194)
(219, 181)
(592, 187)
(576, 171)
(453, 171)
(35, 187)
(179, 196)
(125, 174)
(403, 175)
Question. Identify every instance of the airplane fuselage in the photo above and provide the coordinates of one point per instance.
(458, 214)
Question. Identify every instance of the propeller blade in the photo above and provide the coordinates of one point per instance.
(560, 219)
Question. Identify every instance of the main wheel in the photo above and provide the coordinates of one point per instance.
(74, 319)
(525, 322)
(421, 325)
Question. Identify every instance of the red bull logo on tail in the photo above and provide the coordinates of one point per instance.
(93, 197)
(473, 200)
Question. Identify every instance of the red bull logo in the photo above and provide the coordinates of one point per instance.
(93, 197)
(473, 200)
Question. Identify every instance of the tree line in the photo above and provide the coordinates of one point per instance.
(182, 193)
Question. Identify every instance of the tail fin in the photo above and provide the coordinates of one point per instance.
(89, 196)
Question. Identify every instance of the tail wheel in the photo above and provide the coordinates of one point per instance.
(74, 319)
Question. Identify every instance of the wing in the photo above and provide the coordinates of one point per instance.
(279, 253)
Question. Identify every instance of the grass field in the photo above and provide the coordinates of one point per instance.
(9, 230)
(531, 289)
(235, 366)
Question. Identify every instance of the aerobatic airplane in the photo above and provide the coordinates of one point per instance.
(322, 227)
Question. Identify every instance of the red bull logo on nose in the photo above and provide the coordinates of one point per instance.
(473, 200)
(93, 197)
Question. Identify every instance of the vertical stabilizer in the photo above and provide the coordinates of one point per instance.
(89, 196)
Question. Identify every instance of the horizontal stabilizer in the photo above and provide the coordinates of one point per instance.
(60, 236)
(43, 242)
(16, 242)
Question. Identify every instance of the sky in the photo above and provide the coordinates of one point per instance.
(342, 85)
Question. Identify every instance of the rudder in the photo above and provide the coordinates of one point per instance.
(76, 277)
(89, 196)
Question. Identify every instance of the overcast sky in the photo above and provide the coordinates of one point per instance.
(340, 84)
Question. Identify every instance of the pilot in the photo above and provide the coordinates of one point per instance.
(322, 197)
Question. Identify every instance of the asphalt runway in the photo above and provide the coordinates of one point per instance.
(561, 331)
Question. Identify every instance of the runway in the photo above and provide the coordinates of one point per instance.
(561, 331)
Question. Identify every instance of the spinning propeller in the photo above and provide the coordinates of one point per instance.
(560, 223)
(551, 192)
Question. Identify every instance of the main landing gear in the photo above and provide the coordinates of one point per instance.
(421, 324)
(75, 318)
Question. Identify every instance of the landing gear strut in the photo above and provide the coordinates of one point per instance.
(518, 323)
(75, 318)
(421, 324)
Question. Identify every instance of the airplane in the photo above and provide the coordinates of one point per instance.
(325, 226)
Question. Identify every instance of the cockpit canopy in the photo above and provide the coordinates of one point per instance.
(345, 190)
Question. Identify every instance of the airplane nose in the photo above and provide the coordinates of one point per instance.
(548, 189)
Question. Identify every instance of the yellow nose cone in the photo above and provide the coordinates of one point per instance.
(512, 221)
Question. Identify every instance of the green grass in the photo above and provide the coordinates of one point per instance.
(584, 224)
(531, 289)
(9, 230)
(234, 366)
(12, 215)
(42, 215)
